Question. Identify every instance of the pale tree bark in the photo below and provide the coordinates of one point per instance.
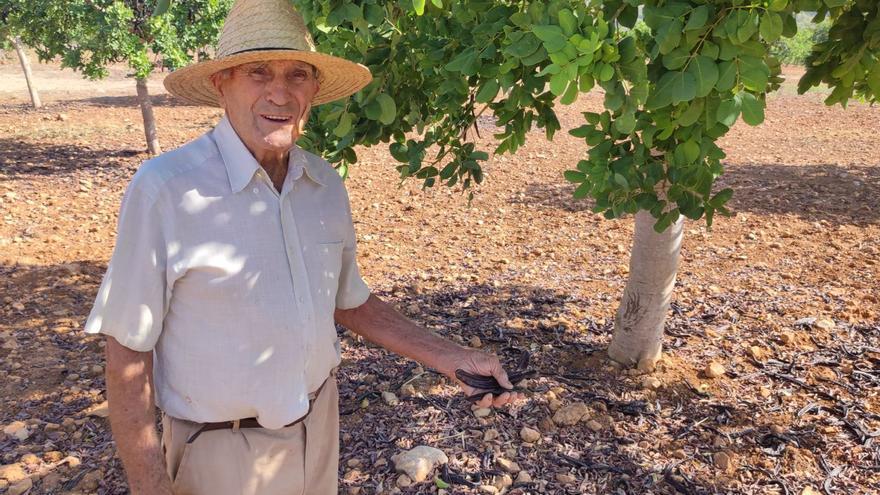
(149, 119)
(26, 67)
(638, 327)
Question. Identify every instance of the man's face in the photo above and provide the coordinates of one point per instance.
(268, 103)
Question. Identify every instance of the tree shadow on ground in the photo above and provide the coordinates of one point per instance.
(837, 194)
(20, 159)
(841, 195)
(160, 100)
(52, 375)
(565, 351)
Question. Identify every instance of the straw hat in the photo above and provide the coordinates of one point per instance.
(259, 31)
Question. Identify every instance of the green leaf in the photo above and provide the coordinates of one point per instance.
(343, 126)
(488, 92)
(570, 94)
(676, 59)
(728, 111)
(771, 26)
(669, 36)
(161, 7)
(726, 76)
(836, 3)
(574, 176)
(754, 73)
(388, 109)
(778, 5)
(698, 18)
(752, 108)
(606, 72)
(440, 483)
(567, 22)
(558, 83)
(721, 198)
(621, 181)
(552, 36)
(399, 151)
(692, 114)
(748, 28)
(690, 150)
(873, 79)
(419, 6)
(625, 123)
(684, 87)
(582, 191)
(705, 73)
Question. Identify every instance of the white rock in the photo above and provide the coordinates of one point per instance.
(21, 487)
(482, 412)
(508, 465)
(418, 462)
(523, 477)
(13, 473)
(390, 399)
(529, 435)
(17, 430)
(570, 415)
(714, 370)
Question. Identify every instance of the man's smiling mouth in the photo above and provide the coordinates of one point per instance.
(277, 118)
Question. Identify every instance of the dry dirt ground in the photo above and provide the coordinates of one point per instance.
(784, 295)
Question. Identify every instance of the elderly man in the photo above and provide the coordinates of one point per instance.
(235, 255)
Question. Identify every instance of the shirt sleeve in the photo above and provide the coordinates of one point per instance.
(131, 303)
(352, 291)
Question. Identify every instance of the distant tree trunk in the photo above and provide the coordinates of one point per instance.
(26, 67)
(638, 327)
(149, 119)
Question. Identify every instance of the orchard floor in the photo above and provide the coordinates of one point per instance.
(784, 295)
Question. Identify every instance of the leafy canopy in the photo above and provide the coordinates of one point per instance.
(88, 35)
(671, 89)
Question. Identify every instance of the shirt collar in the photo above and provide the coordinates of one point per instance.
(241, 164)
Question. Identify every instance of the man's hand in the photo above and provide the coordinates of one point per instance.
(383, 325)
(480, 363)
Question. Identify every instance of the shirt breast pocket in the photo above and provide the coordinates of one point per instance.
(327, 268)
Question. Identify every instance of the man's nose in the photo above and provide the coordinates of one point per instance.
(278, 91)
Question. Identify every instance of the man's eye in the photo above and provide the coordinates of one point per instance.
(299, 75)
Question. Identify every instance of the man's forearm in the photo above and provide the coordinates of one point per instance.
(133, 419)
(380, 323)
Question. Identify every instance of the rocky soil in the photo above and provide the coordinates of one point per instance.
(770, 378)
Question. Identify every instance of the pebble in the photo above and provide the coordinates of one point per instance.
(408, 390)
(21, 487)
(53, 456)
(490, 434)
(723, 461)
(810, 490)
(17, 430)
(565, 478)
(594, 425)
(523, 477)
(488, 489)
(787, 338)
(404, 481)
(503, 482)
(417, 463)
(765, 392)
(554, 404)
(475, 342)
(30, 459)
(647, 365)
(482, 412)
(390, 399)
(12, 473)
(651, 383)
(529, 435)
(508, 465)
(714, 370)
(757, 352)
(101, 410)
(777, 430)
(570, 415)
(825, 324)
(72, 461)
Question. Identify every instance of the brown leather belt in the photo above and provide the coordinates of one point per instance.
(252, 422)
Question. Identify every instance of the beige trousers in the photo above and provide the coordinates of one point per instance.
(297, 460)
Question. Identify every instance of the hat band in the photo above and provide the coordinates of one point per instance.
(265, 50)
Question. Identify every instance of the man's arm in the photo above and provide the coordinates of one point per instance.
(133, 419)
(378, 322)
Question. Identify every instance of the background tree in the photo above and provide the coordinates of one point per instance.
(671, 91)
(89, 35)
(9, 37)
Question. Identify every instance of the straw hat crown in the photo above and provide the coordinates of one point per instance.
(261, 24)
(260, 31)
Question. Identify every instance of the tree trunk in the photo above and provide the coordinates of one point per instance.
(638, 327)
(26, 67)
(149, 119)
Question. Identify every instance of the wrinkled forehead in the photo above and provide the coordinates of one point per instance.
(278, 65)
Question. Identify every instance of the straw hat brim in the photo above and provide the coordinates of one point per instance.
(337, 77)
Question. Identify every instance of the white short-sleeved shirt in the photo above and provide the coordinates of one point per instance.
(232, 284)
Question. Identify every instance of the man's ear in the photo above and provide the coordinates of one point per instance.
(217, 82)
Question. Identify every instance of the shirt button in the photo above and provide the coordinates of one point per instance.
(301, 300)
(256, 190)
